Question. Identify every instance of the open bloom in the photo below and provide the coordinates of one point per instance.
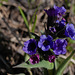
(51, 58)
(30, 46)
(45, 43)
(34, 59)
(60, 46)
(70, 31)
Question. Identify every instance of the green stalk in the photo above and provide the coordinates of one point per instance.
(64, 64)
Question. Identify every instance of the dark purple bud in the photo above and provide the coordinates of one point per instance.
(51, 12)
(51, 58)
(56, 11)
(34, 59)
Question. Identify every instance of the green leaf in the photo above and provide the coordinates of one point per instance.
(26, 57)
(64, 64)
(33, 28)
(24, 17)
(71, 41)
(69, 48)
(5, 0)
(34, 14)
(73, 8)
(58, 61)
(35, 36)
(0, 4)
(67, 3)
(43, 63)
(25, 20)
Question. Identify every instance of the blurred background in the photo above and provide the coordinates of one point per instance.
(14, 32)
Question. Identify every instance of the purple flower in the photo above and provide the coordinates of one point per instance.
(60, 46)
(30, 46)
(60, 11)
(70, 31)
(45, 43)
(61, 23)
(56, 11)
(52, 29)
(51, 12)
(34, 59)
(51, 58)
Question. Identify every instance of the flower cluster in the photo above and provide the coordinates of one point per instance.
(48, 46)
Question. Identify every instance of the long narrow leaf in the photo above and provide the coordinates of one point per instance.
(34, 14)
(26, 57)
(5, 0)
(64, 64)
(24, 17)
(33, 28)
(58, 62)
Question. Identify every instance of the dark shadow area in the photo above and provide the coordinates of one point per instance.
(7, 56)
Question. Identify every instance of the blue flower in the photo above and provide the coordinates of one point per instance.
(45, 43)
(34, 59)
(60, 46)
(61, 23)
(70, 31)
(30, 46)
(60, 11)
(56, 11)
